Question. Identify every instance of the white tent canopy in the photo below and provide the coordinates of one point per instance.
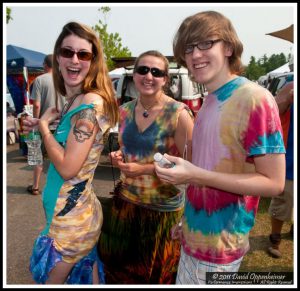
(281, 70)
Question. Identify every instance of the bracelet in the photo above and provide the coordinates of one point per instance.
(49, 132)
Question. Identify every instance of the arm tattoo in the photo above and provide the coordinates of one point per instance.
(84, 125)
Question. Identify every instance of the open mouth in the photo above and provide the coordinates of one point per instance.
(73, 72)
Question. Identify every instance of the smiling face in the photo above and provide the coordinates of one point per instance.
(210, 67)
(73, 69)
(148, 84)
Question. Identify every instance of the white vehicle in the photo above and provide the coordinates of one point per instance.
(263, 80)
(279, 81)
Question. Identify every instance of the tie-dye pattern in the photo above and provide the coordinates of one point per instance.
(73, 211)
(136, 246)
(148, 190)
(235, 122)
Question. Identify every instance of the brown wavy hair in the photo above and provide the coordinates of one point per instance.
(97, 79)
(202, 26)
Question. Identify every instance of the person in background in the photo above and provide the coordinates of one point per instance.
(65, 252)
(9, 110)
(11, 127)
(137, 247)
(281, 207)
(238, 151)
(43, 95)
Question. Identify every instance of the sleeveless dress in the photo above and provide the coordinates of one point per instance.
(136, 246)
(73, 213)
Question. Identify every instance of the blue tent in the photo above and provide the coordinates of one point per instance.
(16, 59)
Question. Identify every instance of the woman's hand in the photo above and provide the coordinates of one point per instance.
(134, 169)
(50, 115)
(30, 123)
(116, 158)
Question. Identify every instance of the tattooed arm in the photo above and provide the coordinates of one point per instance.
(69, 160)
(79, 143)
(85, 122)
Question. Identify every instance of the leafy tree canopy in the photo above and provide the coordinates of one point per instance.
(264, 65)
(111, 42)
(8, 15)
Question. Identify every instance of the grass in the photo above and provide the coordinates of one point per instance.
(257, 259)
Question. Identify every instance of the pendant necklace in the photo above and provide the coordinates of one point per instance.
(145, 113)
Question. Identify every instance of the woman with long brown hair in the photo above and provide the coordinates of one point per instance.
(65, 251)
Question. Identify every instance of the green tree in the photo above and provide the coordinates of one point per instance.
(254, 70)
(264, 65)
(276, 61)
(8, 15)
(111, 42)
(263, 62)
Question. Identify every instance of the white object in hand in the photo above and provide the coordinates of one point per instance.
(28, 109)
(163, 161)
(34, 155)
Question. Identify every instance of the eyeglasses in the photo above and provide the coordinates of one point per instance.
(81, 55)
(202, 45)
(144, 70)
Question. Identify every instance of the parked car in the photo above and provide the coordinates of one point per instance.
(278, 81)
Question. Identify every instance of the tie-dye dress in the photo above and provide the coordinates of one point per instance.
(73, 213)
(136, 247)
(236, 122)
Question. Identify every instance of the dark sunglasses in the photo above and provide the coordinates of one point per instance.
(81, 55)
(144, 70)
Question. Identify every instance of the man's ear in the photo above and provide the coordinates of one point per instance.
(228, 50)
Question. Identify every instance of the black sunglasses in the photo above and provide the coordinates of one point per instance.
(144, 70)
(81, 55)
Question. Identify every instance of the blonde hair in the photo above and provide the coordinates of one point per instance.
(97, 79)
(200, 27)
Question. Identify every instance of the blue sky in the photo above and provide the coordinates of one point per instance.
(149, 26)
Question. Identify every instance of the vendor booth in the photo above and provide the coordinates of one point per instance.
(23, 66)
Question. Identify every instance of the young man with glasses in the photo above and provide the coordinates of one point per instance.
(237, 151)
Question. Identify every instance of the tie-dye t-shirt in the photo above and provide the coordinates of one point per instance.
(235, 123)
(139, 147)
